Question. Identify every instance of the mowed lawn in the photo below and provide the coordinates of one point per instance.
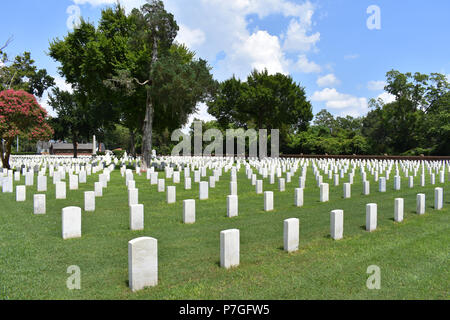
(413, 256)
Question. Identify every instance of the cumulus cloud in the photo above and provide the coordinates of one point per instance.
(386, 97)
(346, 103)
(328, 80)
(305, 66)
(296, 38)
(376, 85)
(190, 37)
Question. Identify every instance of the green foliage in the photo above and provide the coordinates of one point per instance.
(22, 74)
(263, 102)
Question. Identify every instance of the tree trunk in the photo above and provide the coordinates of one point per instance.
(5, 153)
(147, 131)
(75, 147)
(148, 121)
(132, 143)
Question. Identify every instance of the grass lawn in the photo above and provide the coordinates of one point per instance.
(413, 255)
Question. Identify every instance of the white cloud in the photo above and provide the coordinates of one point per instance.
(376, 85)
(260, 50)
(328, 80)
(190, 37)
(305, 66)
(348, 104)
(386, 97)
(296, 38)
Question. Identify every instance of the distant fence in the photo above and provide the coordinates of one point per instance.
(362, 157)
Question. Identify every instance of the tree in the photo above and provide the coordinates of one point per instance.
(263, 102)
(132, 73)
(415, 122)
(20, 114)
(73, 120)
(22, 74)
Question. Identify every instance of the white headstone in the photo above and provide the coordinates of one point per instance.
(137, 217)
(291, 234)
(133, 196)
(268, 200)
(298, 197)
(39, 204)
(60, 190)
(438, 198)
(420, 208)
(324, 192)
(398, 209)
(21, 193)
(71, 222)
(337, 224)
(229, 248)
(232, 206)
(142, 263)
(89, 201)
(371, 216)
(189, 211)
(171, 194)
(203, 186)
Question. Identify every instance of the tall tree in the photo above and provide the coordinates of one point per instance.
(22, 74)
(73, 120)
(263, 102)
(20, 114)
(130, 69)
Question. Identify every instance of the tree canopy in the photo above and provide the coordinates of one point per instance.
(20, 114)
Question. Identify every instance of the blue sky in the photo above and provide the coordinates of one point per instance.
(326, 46)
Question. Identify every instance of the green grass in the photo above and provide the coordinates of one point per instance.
(413, 255)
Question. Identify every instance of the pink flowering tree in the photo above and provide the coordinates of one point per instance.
(20, 114)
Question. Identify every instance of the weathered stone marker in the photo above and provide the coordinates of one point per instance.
(42, 183)
(291, 234)
(21, 193)
(324, 192)
(232, 206)
(39, 204)
(371, 217)
(259, 186)
(133, 196)
(420, 206)
(366, 188)
(298, 197)
(347, 190)
(98, 187)
(229, 248)
(60, 190)
(337, 224)
(203, 186)
(142, 263)
(89, 201)
(438, 198)
(137, 217)
(171, 194)
(189, 211)
(398, 209)
(382, 184)
(71, 222)
(268, 200)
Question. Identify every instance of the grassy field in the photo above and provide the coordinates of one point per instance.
(413, 255)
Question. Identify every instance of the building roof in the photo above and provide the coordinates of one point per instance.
(69, 146)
